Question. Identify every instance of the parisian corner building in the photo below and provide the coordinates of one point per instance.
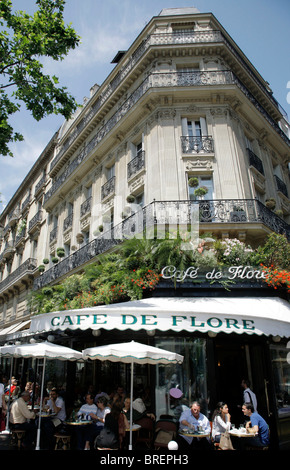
(182, 109)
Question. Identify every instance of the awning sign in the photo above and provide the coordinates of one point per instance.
(268, 316)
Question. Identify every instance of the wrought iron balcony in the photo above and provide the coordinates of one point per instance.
(281, 186)
(68, 221)
(40, 185)
(53, 235)
(108, 188)
(191, 144)
(24, 269)
(86, 207)
(136, 164)
(35, 221)
(255, 161)
(220, 212)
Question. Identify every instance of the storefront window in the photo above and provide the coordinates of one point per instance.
(190, 376)
(281, 370)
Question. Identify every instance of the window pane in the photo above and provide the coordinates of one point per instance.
(190, 376)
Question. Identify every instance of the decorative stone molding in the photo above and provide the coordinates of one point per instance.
(199, 165)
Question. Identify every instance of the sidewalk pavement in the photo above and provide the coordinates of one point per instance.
(6, 441)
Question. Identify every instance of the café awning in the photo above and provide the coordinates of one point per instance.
(259, 316)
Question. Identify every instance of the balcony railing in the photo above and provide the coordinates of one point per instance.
(53, 235)
(35, 221)
(192, 144)
(108, 188)
(136, 164)
(86, 206)
(255, 161)
(281, 186)
(162, 214)
(68, 221)
(27, 267)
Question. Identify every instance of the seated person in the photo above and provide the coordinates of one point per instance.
(23, 419)
(192, 418)
(221, 421)
(256, 426)
(98, 419)
(85, 412)
(116, 423)
(56, 407)
(139, 409)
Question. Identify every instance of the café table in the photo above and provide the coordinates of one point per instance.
(78, 423)
(241, 432)
(198, 434)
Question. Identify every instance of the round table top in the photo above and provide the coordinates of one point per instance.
(240, 433)
(135, 427)
(194, 433)
(78, 423)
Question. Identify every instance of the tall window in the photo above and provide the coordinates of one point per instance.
(195, 136)
(111, 172)
(190, 377)
(202, 181)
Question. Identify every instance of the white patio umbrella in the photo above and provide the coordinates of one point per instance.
(44, 350)
(131, 353)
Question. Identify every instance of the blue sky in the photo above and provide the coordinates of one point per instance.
(260, 28)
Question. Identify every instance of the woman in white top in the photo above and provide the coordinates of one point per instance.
(221, 421)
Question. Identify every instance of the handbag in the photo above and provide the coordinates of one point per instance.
(107, 439)
(225, 442)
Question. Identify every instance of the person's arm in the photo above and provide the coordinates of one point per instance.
(251, 430)
(224, 425)
(55, 408)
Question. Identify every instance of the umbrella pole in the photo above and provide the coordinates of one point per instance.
(37, 447)
(9, 399)
(131, 405)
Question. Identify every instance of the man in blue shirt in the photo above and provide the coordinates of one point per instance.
(256, 426)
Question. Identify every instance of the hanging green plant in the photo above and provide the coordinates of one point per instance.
(193, 182)
(270, 203)
(45, 260)
(101, 228)
(54, 259)
(130, 198)
(41, 268)
(202, 191)
(60, 252)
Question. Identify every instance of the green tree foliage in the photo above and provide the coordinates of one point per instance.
(24, 40)
(133, 271)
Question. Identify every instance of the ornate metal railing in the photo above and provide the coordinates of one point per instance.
(29, 265)
(255, 161)
(40, 184)
(86, 206)
(191, 144)
(68, 221)
(35, 220)
(53, 235)
(26, 202)
(136, 164)
(108, 188)
(281, 186)
(162, 214)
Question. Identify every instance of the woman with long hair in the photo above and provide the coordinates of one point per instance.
(221, 421)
